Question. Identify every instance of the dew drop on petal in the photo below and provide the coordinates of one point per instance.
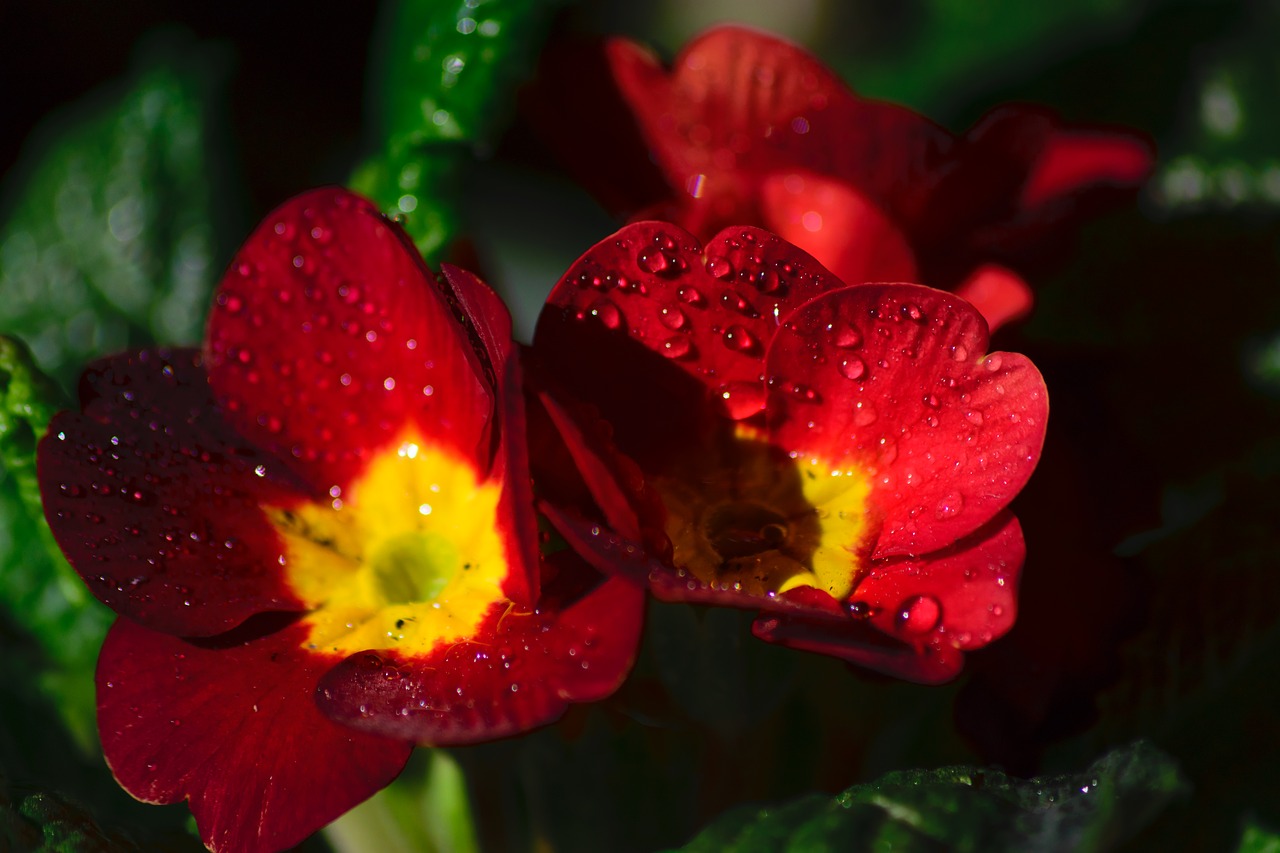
(742, 399)
(737, 338)
(719, 267)
(853, 368)
(673, 318)
(993, 362)
(692, 296)
(676, 347)
(607, 313)
(974, 417)
(846, 337)
(949, 507)
(919, 614)
(653, 261)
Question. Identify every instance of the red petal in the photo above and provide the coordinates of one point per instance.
(328, 337)
(935, 607)
(484, 315)
(1074, 160)
(998, 293)
(842, 228)
(893, 378)
(519, 671)
(709, 313)
(155, 500)
(233, 727)
(740, 100)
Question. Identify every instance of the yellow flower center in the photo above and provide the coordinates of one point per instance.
(745, 515)
(408, 557)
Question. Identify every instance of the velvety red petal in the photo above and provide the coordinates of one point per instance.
(926, 611)
(999, 294)
(893, 378)
(519, 671)
(485, 317)
(842, 228)
(155, 500)
(232, 726)
(329, 337)
(741, 100)
(705, 313)
(1080, 159)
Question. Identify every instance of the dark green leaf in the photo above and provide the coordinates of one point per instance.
(108, 239)
(1257, 839)
(960, 808)
(38, 590)
(451, 69)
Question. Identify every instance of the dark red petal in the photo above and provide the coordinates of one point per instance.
(233, 727)
(852, 641)
(1000, 294)
(739, 100)
(1074, 160)
(708, 313)
(329, 337)
(485, 317)
(927, 611)
(519, 671)
(842, 228)
(893, 378)
(155, 500)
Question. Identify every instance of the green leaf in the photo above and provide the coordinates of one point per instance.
(961, 808)
(426, 810)
(447, 87)
(1258, 839)
(39, 591)
(108, 240)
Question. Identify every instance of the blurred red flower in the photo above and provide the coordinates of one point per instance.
(319, 535)
(838, 457)
(748, 129)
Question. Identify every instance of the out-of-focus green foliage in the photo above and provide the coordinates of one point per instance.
(1257, 839)
(38, 590)
(959, 808)
(108, 238)
(425, 811)
(447, 85)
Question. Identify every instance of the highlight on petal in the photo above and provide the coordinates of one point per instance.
(328, 334)
(1079, 159)
(999, 294)
(894, 379)
(518, 670)
(155, 500)
(927, 611)
(231, 725)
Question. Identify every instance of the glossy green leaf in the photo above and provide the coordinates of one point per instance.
(447, 87)
(108, 237)
(39, 591)
(961, 808)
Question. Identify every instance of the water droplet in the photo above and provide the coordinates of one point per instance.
(993, 362)
(919, 614)
(692, 296)
(607, 313)
(864, 414)
(676, 347)
(653, 261)
(719, 267)
(974, 417)
(767, 280)
(846, 337)
(735, 301)
(71, 490)
(859, 609)
(912, 312)
(853, 368)
(742, 399)
(804, 392)
(931, 400)
(673, 318)
(738, 338)
(949, 507)
(959, 352)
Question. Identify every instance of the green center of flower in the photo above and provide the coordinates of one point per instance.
(414, 567)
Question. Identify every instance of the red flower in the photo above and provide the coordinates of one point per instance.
(838, 457)
(319, 536)
(747, 128)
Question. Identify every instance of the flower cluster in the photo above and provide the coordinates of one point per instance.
(321, 532)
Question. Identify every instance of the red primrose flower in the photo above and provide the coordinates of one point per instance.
(319, 536)
(839, 458)
(748, 128)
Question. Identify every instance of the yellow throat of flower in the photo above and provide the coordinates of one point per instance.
(407, 557)
(745, 515)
